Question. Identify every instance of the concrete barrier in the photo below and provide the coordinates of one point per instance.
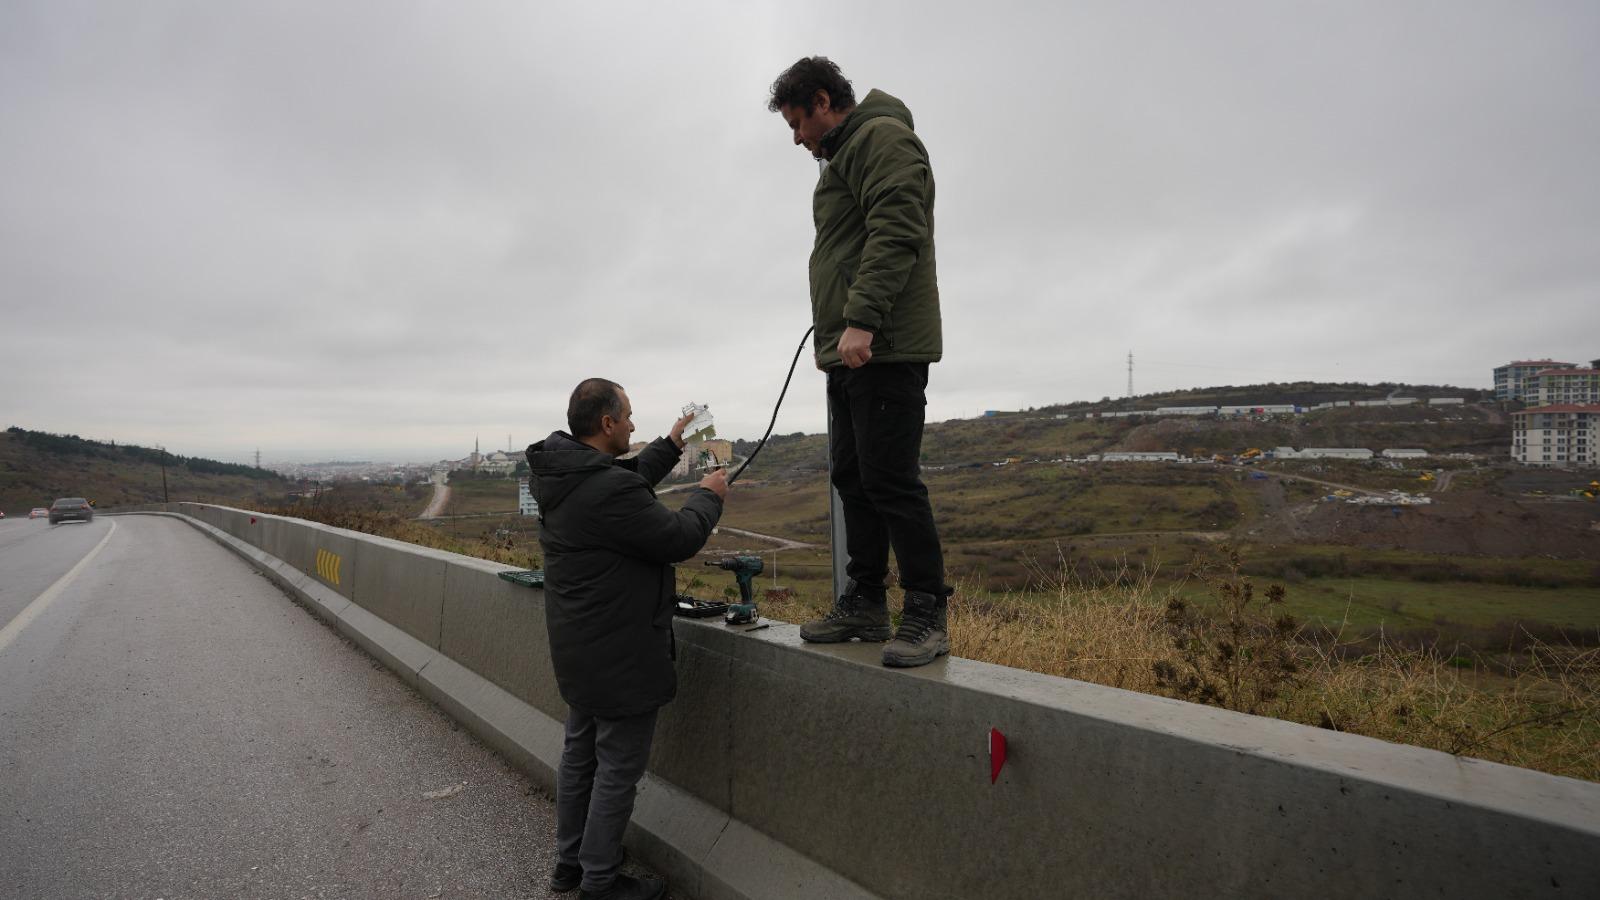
(400, 583)
(792, 770)
(496, 629)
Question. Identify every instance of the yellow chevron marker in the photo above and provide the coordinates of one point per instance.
(328, 565)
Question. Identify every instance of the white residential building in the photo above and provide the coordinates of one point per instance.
(526, 505)
(1162, 456)
(1446, 401)
(1562, 435)
(1271, 409)
(1405, 453)
(1186, 410)
(1334, 453)
(1511, 379)
(1565, 387)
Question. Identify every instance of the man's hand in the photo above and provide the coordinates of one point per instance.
(717, 483)
(855, 347)
(677, 430)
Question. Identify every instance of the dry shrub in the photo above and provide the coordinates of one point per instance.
(1242, 655)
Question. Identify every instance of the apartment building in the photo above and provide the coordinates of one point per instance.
(1563, 435)
(1565, 387)
(1511, 379)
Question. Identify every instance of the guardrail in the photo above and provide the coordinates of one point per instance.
(793, 770)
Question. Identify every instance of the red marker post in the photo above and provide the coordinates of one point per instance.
(997, 754)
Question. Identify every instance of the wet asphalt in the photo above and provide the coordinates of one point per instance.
(173, 726)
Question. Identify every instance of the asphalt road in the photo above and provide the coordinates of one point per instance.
(172, 726)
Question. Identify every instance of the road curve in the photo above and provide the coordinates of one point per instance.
(176, 727)
(441, 496)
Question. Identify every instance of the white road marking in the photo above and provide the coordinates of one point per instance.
(43, 601)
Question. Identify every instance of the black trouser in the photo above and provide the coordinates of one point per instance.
(876, 446)
(601, 764)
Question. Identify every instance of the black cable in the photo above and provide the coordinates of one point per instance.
(775, 407)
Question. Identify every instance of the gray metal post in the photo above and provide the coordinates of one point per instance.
(836, 533)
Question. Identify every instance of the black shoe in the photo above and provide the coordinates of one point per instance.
(923, 635)
(856, 614)
(626, 887)
(566, 878)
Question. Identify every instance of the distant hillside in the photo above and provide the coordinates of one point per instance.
(1305, 393)
(1472, 428)
(36, 467)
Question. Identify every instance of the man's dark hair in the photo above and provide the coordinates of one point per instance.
(591, 399)
(798, 85)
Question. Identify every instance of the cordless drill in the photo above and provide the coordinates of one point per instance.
(744, 569)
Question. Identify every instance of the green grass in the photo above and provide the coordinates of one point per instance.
(394, 499)
(1373, 476)
(797, 510)
(472, 496)
(1367, 603)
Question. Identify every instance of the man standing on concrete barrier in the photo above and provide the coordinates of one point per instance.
(609, 546)
(875, 304)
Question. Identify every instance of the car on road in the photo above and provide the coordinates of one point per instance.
(38, 512)
(71, 508)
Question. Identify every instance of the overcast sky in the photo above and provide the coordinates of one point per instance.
(378, 230)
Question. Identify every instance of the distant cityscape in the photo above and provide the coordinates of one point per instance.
(495, 462)
(1559, 425)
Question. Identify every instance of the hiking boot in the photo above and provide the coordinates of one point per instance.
(566, 878)
(855, 614)
(923, 635)
(627, 887)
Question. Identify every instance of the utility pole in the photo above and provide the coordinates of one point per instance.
(163, 457)
(258, 457)
(1130, 374)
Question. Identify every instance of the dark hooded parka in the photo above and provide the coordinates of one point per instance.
(872, 265)
(609, 546)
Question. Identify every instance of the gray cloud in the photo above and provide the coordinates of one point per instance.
(366, 229)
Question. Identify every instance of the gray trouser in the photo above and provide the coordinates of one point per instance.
(601, 765)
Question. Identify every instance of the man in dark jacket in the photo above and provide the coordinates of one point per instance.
(875, 304)
(609, 592)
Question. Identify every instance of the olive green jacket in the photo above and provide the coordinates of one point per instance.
(872, 266)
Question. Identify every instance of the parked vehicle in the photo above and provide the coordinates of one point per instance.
(71, 508)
